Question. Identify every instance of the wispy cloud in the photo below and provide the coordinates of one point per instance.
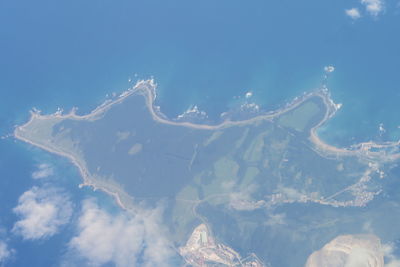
(353, 13)
(242, 200)
(120, 239)
(276, 219)
(370, 7)
(391, 259)
(44, 170)
(42, 212)
(373, 7)
(5, 252)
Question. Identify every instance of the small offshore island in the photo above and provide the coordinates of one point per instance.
(242, 188)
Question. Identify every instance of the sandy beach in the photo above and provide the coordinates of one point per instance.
(148, 89)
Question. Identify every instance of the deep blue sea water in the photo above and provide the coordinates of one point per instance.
(72, 53)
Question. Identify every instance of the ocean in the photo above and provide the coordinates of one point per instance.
(206, 53)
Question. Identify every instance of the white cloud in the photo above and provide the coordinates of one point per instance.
(5, 252)
(329, 69)
(249, 94)
(353, 13)
(44, 170)
(349, 251)
(120, 239)
(391, 260)
(276, 219)
(42, 211)
(359, 257)
(373, 7)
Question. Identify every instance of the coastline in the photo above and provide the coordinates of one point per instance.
(82, 170)
(361, 149)
(147, 88)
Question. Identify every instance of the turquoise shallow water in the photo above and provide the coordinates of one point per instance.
(200, 53)
(205, 53)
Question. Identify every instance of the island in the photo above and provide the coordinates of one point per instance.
(239, 192)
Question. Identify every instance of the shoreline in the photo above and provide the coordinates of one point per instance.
(147, 88)
(82, 170)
